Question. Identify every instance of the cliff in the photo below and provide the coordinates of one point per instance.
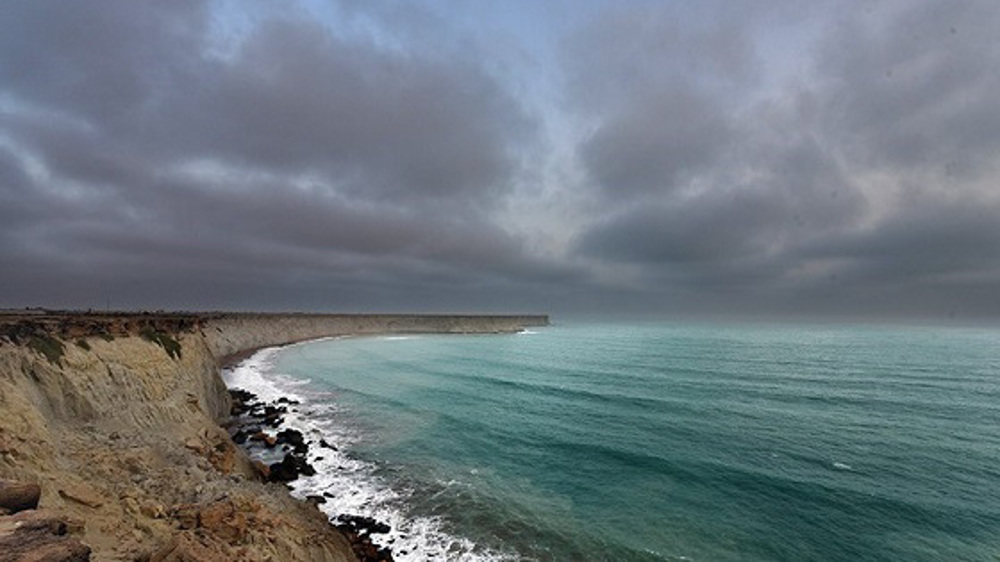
(230, 334)
(116, 418)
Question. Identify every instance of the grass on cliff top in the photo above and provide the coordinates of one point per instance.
(169, 344)
(48, 346)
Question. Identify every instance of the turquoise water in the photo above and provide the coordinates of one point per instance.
(664, 441)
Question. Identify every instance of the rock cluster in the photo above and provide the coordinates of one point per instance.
(358, 531)
(251, 419)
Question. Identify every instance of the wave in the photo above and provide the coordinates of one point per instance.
(352, 485)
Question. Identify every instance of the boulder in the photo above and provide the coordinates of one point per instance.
(316, 500)
(294, 438)
(39, 536)
(18, 496)
(82, 494)
(262, 469)
(290, 467)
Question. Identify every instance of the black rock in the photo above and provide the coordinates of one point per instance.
(362, 524)
(290, 467)
(241, 436)
(315, 500)
(270, 410)
(291, 437)
(242, 395)
(294, 438)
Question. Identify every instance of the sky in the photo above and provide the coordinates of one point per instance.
(766, 158)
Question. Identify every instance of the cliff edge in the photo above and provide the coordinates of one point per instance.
(117, 419)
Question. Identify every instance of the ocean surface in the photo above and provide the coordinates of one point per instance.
(652, 442)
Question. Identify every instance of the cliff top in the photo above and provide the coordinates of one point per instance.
(20, 325)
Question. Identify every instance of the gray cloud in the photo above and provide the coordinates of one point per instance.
(298, 160)
(870, 175)
(296, 98)
(655, 144)
(102, 60)
(913, 86)
(747, 157)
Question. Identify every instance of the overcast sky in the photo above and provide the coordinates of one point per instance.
(832, 158)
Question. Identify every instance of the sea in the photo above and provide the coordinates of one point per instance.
(655, 441)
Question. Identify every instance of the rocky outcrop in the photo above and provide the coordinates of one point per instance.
(114, 421)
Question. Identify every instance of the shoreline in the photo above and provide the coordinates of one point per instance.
(118, 420)
(262, 429)
(370, 511)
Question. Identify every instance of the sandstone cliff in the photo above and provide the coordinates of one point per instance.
(232, 333)
(117, 417)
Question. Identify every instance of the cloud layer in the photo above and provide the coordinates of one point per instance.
(757, 158)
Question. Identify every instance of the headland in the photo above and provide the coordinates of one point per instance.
(112, 445)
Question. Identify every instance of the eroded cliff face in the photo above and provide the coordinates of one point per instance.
(124, 441)
(117, 419)
(230, 334)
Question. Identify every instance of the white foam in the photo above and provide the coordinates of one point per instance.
(355, 487)
(842, 466)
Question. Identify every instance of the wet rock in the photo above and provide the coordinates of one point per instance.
(17, 496)
(357, 530)
(290, 467)
(293, 438)
(362, 524)
(325, 445)
(243, 396)
(265, 438)
(240, 436)
(315, 500)
(270, 410)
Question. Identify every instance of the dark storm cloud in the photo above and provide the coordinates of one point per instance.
(929, 243)
(296, 160)
(872, 175)
(914, 87)
(748, 157)
(296, 98)
(659, 92)
(101, 60)
(636, 151)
